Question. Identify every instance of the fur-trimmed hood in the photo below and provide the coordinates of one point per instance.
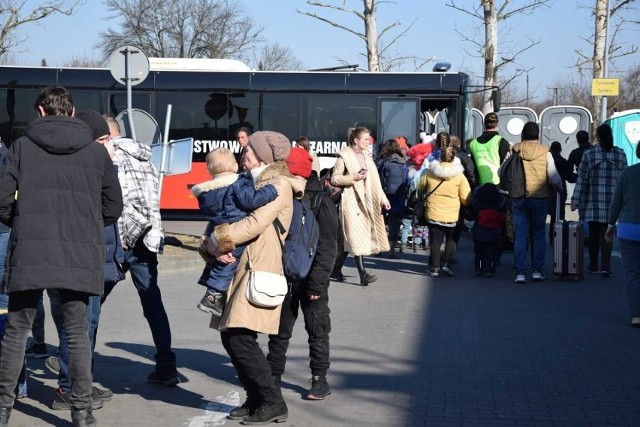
(445, 170)
(220, 181)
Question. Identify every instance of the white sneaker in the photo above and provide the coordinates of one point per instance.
(537, 276)
(521, 279)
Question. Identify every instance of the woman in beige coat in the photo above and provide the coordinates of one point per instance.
(241, 321)
(362, 202)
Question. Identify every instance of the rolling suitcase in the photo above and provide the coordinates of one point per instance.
(568, 248)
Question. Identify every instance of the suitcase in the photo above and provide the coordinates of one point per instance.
(568, 249)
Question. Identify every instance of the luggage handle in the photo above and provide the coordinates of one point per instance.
(557, 206)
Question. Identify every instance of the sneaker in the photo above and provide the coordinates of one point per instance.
(319, 388)
(268, 413)
(62, 401)
(593, 268)
(36, 351)
(606, 271)
(167, 379)
(447, 269)
(521, 278)
(53, 363)
(435, 272)
(537, 276)
(99, 393)
(213, 303)
(635, 322)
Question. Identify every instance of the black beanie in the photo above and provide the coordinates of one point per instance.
(96, 123)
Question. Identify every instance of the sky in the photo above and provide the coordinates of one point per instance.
(560, 30)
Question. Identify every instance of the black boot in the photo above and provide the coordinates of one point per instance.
(248, 408)
(82, 417)
(268, 413)
(5, 413)
(365, 278)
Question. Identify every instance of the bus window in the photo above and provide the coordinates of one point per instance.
(279, 112)
(117, 102)
(88, 100)
(16, 110)
(327, 118)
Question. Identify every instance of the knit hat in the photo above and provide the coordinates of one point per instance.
(270, 146)
(299, 162)
(402, 141)
(582, 137)
(96, 123)
(530, 131)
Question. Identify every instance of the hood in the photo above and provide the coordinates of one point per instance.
(313, 184)
(446, 170)
(220, 181)
(395, 157)
(530, 150)
(136, 150)
(59, 134)
(486, 136)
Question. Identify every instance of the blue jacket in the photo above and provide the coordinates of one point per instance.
(114, 255)
(393, 173)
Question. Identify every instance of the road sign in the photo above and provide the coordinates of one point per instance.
(605, 87)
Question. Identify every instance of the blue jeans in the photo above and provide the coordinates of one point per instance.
(143, 266)
(4, 242)
(529, 218)
(630, 251)
(93, 317)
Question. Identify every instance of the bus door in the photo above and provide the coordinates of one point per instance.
(398, 117)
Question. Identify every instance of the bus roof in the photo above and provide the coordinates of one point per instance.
(197, 64)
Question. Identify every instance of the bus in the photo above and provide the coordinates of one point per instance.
(210, 103)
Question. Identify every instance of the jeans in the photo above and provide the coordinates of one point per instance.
(404, 230)
(529, 216)
(252, 367)
(93, 317)
(143, 266)
(316, 322)
(22, 311)
(630, 251)
(4, 242)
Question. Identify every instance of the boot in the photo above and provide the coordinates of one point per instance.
(82, 418)
(248, 408)
(5, 413)
(365, 278)
(268, 413)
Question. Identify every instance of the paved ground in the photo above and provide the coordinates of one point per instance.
(408, 350)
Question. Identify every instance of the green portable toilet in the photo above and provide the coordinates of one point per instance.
(626, 132)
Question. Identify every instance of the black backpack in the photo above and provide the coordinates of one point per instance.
(513, 182)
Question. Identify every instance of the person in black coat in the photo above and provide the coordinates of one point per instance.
(68, 192)
(312, 293)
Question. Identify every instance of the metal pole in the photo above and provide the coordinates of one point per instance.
(127, 67)
(165, 147)
(605, 58)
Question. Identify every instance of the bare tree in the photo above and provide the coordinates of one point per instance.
(274, 57)
(15, 13)
(492, 14)
(82, 61)
(606, 36)
(182, 29)
(381, 56)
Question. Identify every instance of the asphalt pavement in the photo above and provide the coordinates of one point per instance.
(408, 350)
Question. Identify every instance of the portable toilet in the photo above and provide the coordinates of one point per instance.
(626, 132)
(511, 120)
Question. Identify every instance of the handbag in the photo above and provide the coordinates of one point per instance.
(420, 207)
(265, 289)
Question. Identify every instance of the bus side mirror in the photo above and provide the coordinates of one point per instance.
(495, 97)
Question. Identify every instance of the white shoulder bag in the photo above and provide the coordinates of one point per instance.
(265, 289)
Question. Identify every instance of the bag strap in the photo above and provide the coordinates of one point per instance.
(432, 191)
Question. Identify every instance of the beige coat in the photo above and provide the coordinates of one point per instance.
(265, 251)
(361, 206)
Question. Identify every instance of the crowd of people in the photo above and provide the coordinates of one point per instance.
(88, 199)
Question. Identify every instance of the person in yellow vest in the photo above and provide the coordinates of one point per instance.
(488, 151)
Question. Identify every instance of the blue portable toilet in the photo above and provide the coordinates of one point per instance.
(626, 132)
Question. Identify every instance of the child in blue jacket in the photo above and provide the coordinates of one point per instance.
(225, 199)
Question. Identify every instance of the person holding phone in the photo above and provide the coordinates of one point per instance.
(362, 202)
